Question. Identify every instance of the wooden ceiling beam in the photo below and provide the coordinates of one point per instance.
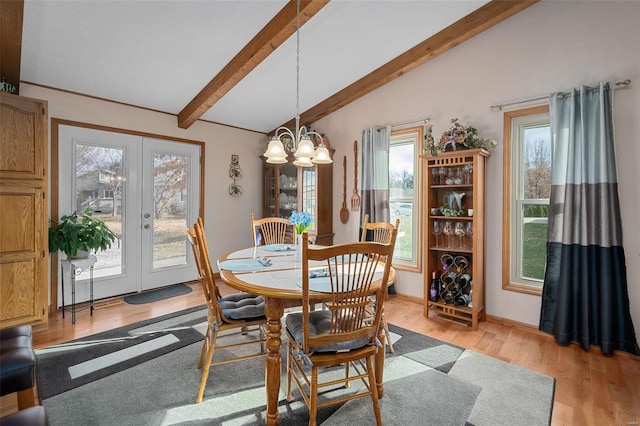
(11, 15)
(276, 32)
(485, 17)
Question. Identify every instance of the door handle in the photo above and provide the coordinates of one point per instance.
(147, 226)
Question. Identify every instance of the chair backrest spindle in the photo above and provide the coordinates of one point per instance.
(274, 230)
(352, 272)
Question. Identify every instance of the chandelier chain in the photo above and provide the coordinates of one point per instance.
(306, 154)
(297, 59)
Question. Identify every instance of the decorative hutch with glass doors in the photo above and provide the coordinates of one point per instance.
(288, 188)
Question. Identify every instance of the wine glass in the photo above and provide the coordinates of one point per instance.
(435, 172)
(443, 175)
(437, 230)
(467, 169)
(459, 231)
(448, 231)
(469, 232)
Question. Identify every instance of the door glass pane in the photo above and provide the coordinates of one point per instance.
(170, 209)
(101, 185)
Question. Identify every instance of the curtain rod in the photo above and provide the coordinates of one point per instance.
(498, 107)
(404, 123)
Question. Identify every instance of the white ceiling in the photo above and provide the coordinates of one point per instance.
(160, 54)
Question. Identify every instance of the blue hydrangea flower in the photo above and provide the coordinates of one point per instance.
(301, 221)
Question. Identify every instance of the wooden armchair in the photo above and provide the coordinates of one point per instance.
(274, 230)
(341, 334)
(379, 232)
(241, 311)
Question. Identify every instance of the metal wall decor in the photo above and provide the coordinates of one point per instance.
(235, 173)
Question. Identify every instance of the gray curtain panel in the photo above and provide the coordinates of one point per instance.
(375, 174)
(585, 297)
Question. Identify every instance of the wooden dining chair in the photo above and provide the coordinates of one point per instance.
(379, 232)
(274, 230)
(340, 334)
(243, 312)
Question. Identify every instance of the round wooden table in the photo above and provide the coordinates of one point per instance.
(277, 283)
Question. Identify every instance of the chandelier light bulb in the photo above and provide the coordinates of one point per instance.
(305, 148)
(303, 162)
(322, 156)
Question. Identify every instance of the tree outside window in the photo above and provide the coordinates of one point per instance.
(527, 171)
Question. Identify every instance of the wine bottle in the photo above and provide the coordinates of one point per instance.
(433, 290)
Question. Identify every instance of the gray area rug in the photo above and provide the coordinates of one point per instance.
(146, 374)
(159, 294)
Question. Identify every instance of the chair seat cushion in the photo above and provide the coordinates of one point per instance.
(319, 322)
(239, 306)
(20, 330)
(17, 360)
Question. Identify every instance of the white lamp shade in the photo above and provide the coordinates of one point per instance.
(303, 162)
(305, 148)
(275, 149)
(322, 156)
(276, 159)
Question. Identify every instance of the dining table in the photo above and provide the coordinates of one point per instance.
(275, 272)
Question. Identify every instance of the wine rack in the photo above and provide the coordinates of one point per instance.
(454, 193)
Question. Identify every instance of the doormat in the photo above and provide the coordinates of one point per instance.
(159, 294)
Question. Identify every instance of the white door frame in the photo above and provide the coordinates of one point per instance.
(130, 280)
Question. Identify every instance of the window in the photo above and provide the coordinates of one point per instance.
(527, 183)
(404, 196)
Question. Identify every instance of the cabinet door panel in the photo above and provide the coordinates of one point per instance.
(18, 291)
(21, 136)
(18, 233)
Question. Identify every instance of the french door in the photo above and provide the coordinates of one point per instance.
(146, 190)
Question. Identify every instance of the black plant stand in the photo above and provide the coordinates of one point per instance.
(76, 267)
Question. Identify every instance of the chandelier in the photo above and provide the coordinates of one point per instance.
(306, 154)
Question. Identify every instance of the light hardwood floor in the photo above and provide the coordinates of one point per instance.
(591, 389)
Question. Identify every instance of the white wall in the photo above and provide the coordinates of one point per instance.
(226, 218)
(549, 47)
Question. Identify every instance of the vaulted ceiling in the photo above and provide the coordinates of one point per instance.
(234, 62)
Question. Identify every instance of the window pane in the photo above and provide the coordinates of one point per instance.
(537, 162)
(401, 197)
(534, 240)
(403, 204)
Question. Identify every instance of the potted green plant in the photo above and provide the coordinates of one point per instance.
(76, 236)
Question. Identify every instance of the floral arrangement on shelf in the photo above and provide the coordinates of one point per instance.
(458, 137)
(301, 221)
(430, 145)
(446, 211)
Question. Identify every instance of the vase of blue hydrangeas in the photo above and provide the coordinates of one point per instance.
(301, 222)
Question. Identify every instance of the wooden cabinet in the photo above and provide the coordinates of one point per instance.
(24, 254)
(288, 188)
(455, 188)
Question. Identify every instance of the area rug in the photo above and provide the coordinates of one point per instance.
(159, 294)
(145, 374)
